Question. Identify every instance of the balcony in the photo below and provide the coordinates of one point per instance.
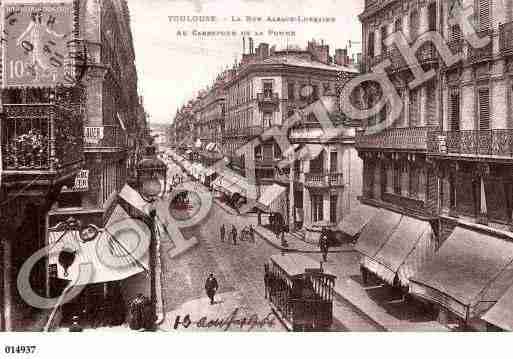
(247, 132)
(506, 39)
(488, 143)
(427, 54)
(284, 177)
(110, 138)
(398, 62)
(268, 100)
(481, 54)
(324, 180)
(42, 139)
(397, 139)
(266, 162)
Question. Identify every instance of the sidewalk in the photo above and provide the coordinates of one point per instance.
(376, 303)
(296, 245)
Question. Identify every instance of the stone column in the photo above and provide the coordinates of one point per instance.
(453, 175)
(292, 216)
(307, 211)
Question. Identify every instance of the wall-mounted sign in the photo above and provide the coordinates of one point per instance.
(35, 39)
(82, 181)
(93, 134)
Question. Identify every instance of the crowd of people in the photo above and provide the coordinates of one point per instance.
(246, 234)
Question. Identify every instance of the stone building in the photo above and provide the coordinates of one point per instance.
(69, 126)
(444, 165)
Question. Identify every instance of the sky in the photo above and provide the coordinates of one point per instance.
(172, 68)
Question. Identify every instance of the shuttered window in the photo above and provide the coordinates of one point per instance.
(484, 15)
(431, 104)
(432, 16)
(371, 44)
(414, 108)
(384, 34)
(484, 109)
(454, 110)
(414, 25)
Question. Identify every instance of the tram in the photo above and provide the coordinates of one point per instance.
(300, 292)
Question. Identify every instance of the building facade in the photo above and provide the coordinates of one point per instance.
(445, 160)
(66, 137)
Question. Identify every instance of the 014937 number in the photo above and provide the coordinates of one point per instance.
(20, 349)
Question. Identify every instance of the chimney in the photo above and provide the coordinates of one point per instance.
(341, 58)
(264, 50)
(251, 49)
(243, 45)
(320, 52)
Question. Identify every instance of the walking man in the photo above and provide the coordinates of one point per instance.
(234, 235)
(223, 232)
(252, 233)
(323, 244)
(211, 287)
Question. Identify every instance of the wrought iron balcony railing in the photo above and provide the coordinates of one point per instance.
(324, 180)
(407, 138)
(41, 137)
(481, 54)
(266, 162)
(489, 143)
(268, 98)
(506, 38)
(284, 176)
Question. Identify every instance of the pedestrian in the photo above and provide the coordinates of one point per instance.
(234, 235)
(223, 232)
(211, 287)
(323, 244)
(75, 325)
(252, 233)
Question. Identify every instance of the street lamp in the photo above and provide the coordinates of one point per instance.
(151, 183)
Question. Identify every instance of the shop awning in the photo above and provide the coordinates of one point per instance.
(501, 314)
(230, 183)
(271, 198)
(375, 234)
(354, 222)
(470, 267)
(109, 258)
(407, 249)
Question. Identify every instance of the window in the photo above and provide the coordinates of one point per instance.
(291, 89)
(267, 119)
(414, 25)
(414, 109)
(383, 37)
(484, 15)
(432, 16)
(484, 108)
(398, 25)
(454, 110)
(333, 162)
(277, 152)
(431, 104)
(317, 208)
(268, 88)
(370, 45)
(333, 208)
(315, 92)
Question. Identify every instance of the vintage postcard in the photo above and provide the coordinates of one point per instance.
(202, 166)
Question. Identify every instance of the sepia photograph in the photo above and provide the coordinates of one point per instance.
(254, 166)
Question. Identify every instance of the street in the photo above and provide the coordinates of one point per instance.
(239, 270)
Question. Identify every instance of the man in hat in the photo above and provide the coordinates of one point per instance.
(223, 232)
(234, 235)
(211, 287)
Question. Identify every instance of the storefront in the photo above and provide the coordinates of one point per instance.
(394, 247)
(468, 275)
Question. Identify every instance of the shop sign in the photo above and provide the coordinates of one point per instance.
(82, 181)
(93, 134)
(35, 39)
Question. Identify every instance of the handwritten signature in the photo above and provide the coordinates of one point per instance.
(230, 321)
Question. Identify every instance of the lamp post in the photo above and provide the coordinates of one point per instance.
(151, 183)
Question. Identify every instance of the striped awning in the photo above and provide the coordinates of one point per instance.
(273, 198)
(353, 223)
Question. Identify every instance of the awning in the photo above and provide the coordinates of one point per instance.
(354, 222)
(210, 146)
(108, 258)
(272, 198)
(230, 183)
(311, 151)
(403, 254)
(375, 234)
(469, 269)
(501, 314)
(188, 152)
